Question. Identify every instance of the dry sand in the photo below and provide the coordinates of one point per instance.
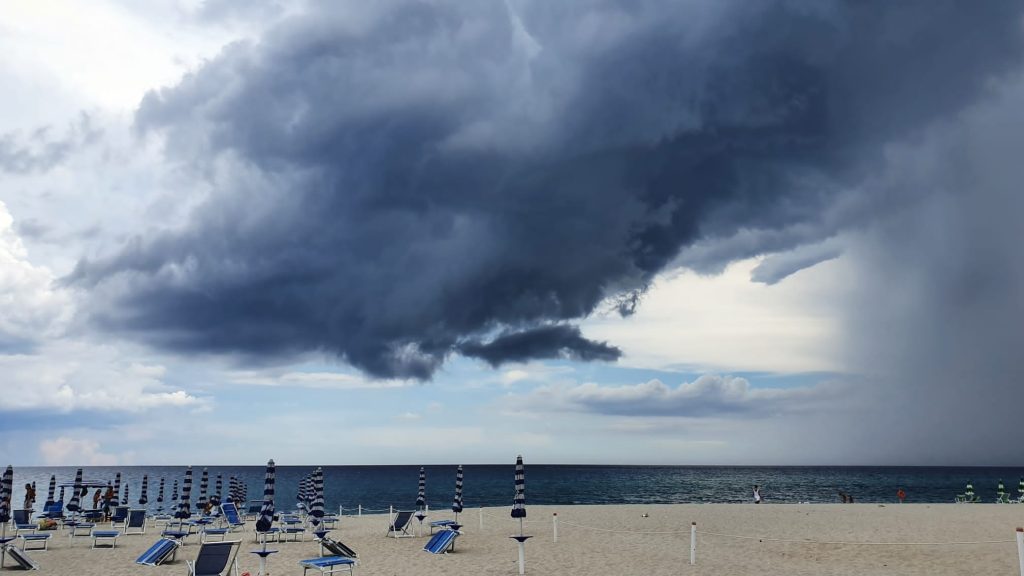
(620, 540)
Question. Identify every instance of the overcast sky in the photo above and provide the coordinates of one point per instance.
(643, 231)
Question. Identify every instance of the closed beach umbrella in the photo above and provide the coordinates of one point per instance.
(51, 490)
(184, 505)
(144, 497)
(76, 491)
(1020, 488)
(160, 493)
(6, 493)
(969, 491)
(117, 488)
(215, 498)
(316, 508)
(61, 494)
(457, 502)
(421, 496)
(203, 484)
(266, 519)
(174, 492)
(302, 496)
(519, 503)
(124, 498)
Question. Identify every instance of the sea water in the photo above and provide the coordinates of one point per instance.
(376, 488)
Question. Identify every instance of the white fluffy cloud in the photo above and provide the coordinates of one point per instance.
(30, 307)
(710, 395)
(63, 451)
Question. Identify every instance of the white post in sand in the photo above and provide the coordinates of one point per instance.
(360, 510)
(554, 524)
(693, 543)
(481, 518)
(341, 510)
(1020, 548)
(522, 557)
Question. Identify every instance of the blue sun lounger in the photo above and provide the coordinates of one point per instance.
(159, 552)
(328, 564)
(110, 536)
(442, 542)
(20, 557)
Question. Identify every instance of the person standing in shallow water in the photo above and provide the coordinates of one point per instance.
(757, 494)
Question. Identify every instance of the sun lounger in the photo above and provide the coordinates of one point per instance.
(442, 524)
(215, 559)
(328, 564)
(159, 552)
(209, 533)
(74, 526)
(35, 540)
(109, 536)
(21, 558)
(399, 524)
(336, 548)
(442, 542)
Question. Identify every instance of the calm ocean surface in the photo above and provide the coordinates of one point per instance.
(377, 487)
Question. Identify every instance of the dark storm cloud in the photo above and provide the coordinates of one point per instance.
(398, 181)
(542, 342)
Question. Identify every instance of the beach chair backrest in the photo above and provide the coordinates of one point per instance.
(20, 516)
(441, 541)
(136, 518)
(120, 513)
(213, 558)
(21, 558)
(337, 548)
(402, 520)
(231, 513)
(158, 552)
(54, 510)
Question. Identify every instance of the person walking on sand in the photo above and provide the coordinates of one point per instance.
(757, 494)
(901, 495)
(30, 496)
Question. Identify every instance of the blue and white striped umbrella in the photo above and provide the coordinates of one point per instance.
(6, 493)
(302, 496)
(174, 492)
(160, 492)
(144, 497)
(266, 519)
(51, 491)
(184, 505)
(203, 484)
(421, 496)
(316, 509)
(124, 499)
(76, 491)
(117, 489)
(519, 503)
(457, 502)
(218, 487)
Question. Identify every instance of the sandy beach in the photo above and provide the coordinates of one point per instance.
(619, 539)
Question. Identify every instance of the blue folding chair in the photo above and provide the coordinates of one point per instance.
(159, 552)
(442, 542)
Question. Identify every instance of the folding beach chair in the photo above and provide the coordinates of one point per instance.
(215, 559)
(291, 525)
(136, 521)
(21, 558)
(22, 520)
(119, 515)
(230, 514)
(336, 548)
(159, 552)
(400, 523)
(328, 564)
(442, 542)
(253, 512)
